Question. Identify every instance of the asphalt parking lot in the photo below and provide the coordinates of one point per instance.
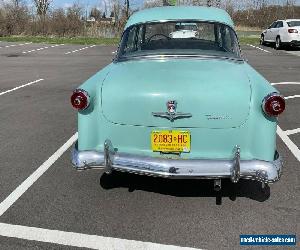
(45, 204)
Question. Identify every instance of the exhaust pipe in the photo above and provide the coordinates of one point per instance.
(217, 185)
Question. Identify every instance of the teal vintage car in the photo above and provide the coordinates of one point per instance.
(179, 107)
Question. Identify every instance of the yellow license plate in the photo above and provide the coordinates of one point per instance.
(171, 141)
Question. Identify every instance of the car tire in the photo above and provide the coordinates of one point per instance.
(262, 40)
(278, 44)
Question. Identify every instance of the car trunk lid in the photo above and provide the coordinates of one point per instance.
(217, 93)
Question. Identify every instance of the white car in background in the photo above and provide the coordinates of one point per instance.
(185, 30)
(282, 32)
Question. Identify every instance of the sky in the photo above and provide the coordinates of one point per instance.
(101, 3)
(86, 3)
(106, 4)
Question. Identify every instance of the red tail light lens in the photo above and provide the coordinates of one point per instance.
(273, 104)
(80, 99)
(293, 31)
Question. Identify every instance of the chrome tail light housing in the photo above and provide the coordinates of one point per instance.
(273, 104)
(80, 99)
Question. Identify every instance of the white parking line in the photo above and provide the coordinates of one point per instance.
(291, 97)
(61, 237)
(84, 240)
(292, 131)
(20, 190)
(77, 50)
(286, 83)
(80, 240)
(259, 48)
(288, 142)
(22, 86)
(14, 45)
(39, 49)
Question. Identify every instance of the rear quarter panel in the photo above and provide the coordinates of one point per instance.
(262, 128)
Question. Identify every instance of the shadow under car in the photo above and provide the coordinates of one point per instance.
(186, 187)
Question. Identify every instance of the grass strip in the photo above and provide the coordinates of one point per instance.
(98, 41)
(60, 40)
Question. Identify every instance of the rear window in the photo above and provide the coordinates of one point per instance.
(176, 38)
(293, 23)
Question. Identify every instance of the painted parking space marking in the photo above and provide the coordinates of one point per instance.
(284, 135)
(61, 237)
(22, 188)
(84, 240)
(15, 45)
(259, 48)
(288, 142)
(292, 131)
(291, 97)
(80, 240)
(288, 83)
(285, 83)
(22, 86)
(77, 50)
(42, 48)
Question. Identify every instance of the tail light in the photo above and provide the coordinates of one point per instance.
(80, 99)
(273, 104)
(292, 31)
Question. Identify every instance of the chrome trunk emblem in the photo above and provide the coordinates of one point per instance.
(171, 106)
(171, 113)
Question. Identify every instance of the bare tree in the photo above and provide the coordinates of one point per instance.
(74, 23)
(95, 13)
(152, 3)
(16, 3)
(58, 22)
(42, 8)
(165, 3)
(116, 9)
(14, 17)
(127, 6)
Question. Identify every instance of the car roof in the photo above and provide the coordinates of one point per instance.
(180, 13)
(290, 20)
(287, 20)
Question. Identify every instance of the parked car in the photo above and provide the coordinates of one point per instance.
(184, 30)
(179, 107)
(281, 33)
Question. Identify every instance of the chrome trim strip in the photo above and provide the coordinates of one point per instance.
(263, 171)
(172, 116)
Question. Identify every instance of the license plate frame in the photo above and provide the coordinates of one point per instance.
(171, 141)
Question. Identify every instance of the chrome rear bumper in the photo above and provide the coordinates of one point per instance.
(263, 171)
